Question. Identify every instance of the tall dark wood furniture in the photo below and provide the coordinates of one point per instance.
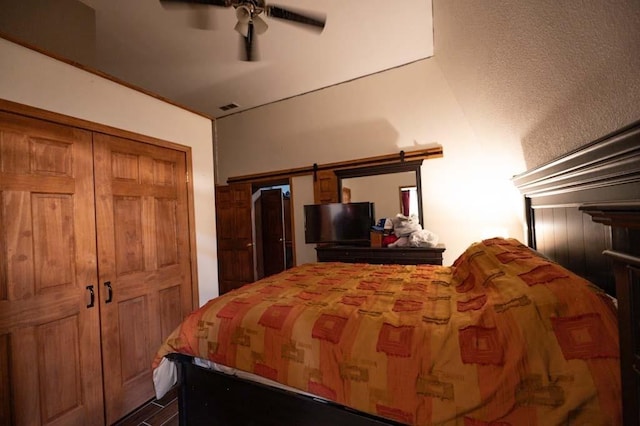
(381, 255)
(624, 219)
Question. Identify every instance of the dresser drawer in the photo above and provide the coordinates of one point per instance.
(381, 255)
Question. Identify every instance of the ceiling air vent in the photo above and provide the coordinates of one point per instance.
(227, 107)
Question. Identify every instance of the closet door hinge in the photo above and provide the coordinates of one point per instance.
(187, 177)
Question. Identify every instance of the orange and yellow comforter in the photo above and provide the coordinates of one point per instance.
(502, 337)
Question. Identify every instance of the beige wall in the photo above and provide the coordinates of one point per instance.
(549, 75)
(510, 86)
(407, 108)
(30, 78)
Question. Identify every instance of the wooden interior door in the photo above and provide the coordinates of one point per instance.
(144, 261)
(235, 236)
(273, 238)
(50, 367)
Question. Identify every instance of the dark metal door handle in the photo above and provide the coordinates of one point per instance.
(92, 296)
(107, 284)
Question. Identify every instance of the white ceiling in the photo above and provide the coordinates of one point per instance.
(159, 49)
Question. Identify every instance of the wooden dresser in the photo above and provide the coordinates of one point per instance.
(624, 219)
(379, 255)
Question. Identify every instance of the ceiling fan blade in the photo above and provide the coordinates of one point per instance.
(250, 49)
(198, 13)
(200, 18)
(314, 21)
(223, 3)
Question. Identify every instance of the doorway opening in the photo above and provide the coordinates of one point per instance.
(272, 227)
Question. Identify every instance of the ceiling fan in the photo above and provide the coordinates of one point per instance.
(250, 24)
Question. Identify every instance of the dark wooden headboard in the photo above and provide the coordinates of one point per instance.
(604, 171)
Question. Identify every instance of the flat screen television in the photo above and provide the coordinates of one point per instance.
(339, 223)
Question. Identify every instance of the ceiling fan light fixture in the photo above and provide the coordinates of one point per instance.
(244, 14)
(259, 25)
(242, 28)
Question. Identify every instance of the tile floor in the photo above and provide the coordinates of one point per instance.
(162, 412)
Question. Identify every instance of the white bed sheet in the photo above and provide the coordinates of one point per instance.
(165, 376)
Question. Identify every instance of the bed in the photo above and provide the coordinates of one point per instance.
(443, 344)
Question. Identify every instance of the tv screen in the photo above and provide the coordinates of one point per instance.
(338, 222)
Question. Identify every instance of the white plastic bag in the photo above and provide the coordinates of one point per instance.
(423, 238)
(400, 242)
(403, 226)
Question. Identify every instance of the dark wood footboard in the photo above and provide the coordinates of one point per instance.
(208, 397)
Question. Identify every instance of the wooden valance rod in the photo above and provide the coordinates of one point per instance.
(434, 152)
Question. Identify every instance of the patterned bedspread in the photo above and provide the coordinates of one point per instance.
(502, 337)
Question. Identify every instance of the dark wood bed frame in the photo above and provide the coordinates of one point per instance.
(578, 207)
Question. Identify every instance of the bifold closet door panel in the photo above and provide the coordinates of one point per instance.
(50, 363)
(144, 261)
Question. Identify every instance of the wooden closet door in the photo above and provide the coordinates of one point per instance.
(144, 261)
(50, 366)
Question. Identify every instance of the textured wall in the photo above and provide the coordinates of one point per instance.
(552, 75)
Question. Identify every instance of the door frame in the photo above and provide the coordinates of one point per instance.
(256, 187)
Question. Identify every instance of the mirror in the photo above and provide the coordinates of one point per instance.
(383, 185)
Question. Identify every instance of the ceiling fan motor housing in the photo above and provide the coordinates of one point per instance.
(250, 24)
